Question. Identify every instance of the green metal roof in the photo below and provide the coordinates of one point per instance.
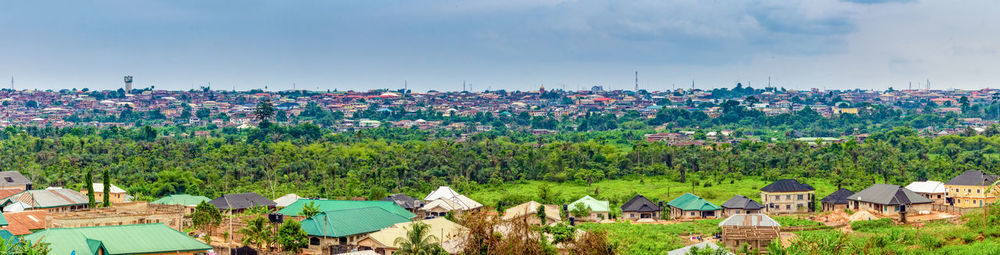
(3, 221)
(122, 239)
(8, 237)
(594, 204)
(181, 199)
(690, 202)
(348, 222)
(332, 205)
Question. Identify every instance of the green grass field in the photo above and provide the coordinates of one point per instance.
(654, 188)
(657, 238)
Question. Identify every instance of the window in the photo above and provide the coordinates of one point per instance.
(800, 196)
(788, 197)
(788, 207)
(977, 191)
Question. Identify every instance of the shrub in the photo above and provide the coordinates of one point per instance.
(871, 225)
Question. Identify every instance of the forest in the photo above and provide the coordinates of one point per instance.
(377, 162)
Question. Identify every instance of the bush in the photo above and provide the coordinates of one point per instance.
(871, 225)
(929, 241)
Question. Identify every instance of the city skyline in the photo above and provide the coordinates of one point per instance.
(514, 45)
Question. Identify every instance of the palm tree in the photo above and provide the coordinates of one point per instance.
(418, 241)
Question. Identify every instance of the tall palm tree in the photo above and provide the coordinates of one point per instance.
(418, 241)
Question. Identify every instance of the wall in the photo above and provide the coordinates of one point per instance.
(969, 196)
(638, 216)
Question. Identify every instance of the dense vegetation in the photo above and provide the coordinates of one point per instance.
(367, 165)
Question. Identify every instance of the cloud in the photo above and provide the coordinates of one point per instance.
(878, 1)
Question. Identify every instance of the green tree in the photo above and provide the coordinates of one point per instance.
(418, 241)
(23, 247)
(291, 237)
(203, 113)
(206, 216)
(90, 190)
(541, 214)
(580, 210)
(264, 111)
(257, 233)
(310, 209)
(107, 189)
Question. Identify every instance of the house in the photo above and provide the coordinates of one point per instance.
(755, 231)
(295, 209)
(528, 212)
(889, 200)
(740, 204)
(188, 201)
(118, 195)
(240, 202)
(599, 209)
(340, 230)
(286, 200)
(787, 196)
(14, 180)
(444, 199)
(406, 202)
(933, 190)
(119, 239)
(969, 189)
(52, 200)
(449, 235)
(640, 208)
(689, 206)
(836, 200)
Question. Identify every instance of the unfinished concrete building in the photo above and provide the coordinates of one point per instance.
(121, 214)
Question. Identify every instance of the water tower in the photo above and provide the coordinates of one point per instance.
(128, 84)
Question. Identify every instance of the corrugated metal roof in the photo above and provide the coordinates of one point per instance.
(241, 201)
(640, 203)
(973, 178)
(888, 194)
(181, 199)
(926, 187)
(838, 197)
(690, 202)
(348, 222)
(749, 220)
(48, 198)
(295, 209)
(123, 239)
(594, 204)
(742, 202)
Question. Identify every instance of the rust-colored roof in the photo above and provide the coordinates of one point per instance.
(4, 193)
(26, 222)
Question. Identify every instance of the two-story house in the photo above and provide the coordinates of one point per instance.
(787, 196)
(969, 189)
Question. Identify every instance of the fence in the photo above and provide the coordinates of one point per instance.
(952, 209)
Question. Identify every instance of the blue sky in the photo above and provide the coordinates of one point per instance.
(511, 44)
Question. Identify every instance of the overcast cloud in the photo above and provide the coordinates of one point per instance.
(514, 44)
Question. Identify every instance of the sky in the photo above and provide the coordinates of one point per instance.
(509, 44)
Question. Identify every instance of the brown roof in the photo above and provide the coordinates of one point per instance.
(26, 222)
(4, 193)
